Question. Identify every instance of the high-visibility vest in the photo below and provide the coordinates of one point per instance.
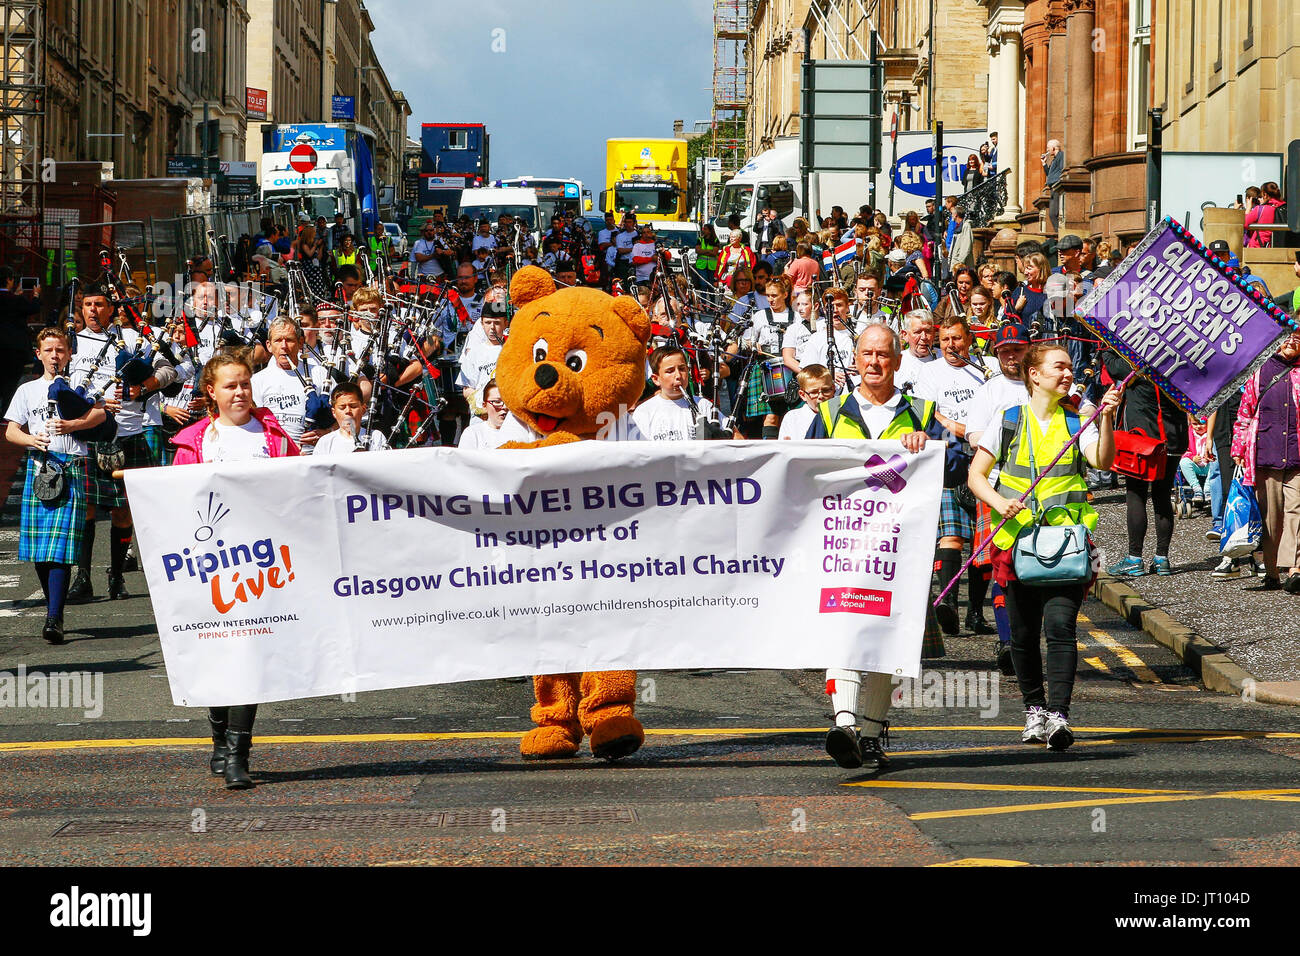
(343, 259)
(706, 256)
(914, 415)
(1062, 494)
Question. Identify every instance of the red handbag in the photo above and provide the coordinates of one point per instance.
(1140, 456)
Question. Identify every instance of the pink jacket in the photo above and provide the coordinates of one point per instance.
(1264, 214)
(1243, 430)
(189, 442)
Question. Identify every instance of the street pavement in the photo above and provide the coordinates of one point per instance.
(733, 770)
(1260, 631)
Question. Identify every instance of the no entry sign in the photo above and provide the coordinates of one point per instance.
(302, 158)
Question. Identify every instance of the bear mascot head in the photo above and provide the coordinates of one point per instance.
(575, 358)
(573, 365)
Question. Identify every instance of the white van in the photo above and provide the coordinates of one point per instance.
(491, 202)
(772, 178)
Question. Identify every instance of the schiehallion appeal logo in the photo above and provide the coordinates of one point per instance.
(235, 573)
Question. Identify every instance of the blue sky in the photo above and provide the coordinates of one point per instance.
(573, 74)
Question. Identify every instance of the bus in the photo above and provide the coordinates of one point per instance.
(553, 195)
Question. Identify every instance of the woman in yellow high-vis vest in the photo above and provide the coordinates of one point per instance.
(1034, 434)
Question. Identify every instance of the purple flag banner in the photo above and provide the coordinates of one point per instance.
(1183, 317)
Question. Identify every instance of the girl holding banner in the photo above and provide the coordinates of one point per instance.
(234, 430)
(1027, 445)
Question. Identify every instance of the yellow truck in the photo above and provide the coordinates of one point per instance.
(647, 177)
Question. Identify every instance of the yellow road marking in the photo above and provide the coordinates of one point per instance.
(1126, 655)
(1097, 663)
(1130, 734)
(1075, 804)
(978, 861)
(1002, 788)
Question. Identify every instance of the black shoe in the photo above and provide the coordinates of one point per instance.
(220, 749)
(117, 587)
(1005, 664)
(946, 615)
(132, 562)
(1270, 583)
(81, 591)
(844, 747)
(976, 624)
(238, 743)
(873, 754)
(1292, 584)
(53, 630)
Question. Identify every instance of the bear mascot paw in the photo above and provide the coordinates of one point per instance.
(574, 363)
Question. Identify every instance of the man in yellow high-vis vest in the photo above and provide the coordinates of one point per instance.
(875, 409)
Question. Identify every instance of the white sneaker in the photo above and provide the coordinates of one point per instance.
(1035, 731)
(1226, 569)
(1059, 734)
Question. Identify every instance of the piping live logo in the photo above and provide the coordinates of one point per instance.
(235, 573)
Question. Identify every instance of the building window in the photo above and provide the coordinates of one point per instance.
(1191, 47)
(1218, 60)
(1139, 72)
(458, 139)
(1249, 41)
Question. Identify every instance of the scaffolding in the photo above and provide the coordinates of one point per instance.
(21, 105)
(730, 83)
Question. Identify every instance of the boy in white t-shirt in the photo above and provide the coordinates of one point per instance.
(671, 413)
(816, 385)
(348, 407)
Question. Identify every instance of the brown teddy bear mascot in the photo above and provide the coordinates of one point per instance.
(574, 361)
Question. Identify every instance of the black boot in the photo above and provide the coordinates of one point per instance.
(117, 587)
(976, 624)
(81, 591)
(220, 749)
(53, 630)
(239, 743)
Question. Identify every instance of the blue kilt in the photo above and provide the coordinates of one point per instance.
(954, 520)
(109, 492)
(52, 532)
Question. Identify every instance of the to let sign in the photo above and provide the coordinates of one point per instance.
(255, 103)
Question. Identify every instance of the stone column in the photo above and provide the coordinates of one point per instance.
(1004, 105)
(1081, 16)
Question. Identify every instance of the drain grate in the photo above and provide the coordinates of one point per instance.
(375, 820)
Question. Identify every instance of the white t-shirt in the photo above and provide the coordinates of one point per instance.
(623, 242)
(338, 443)
(131, 419)
(796, 423)
(815, 353)
(478, 364)
(911, 367)
(949, 387)
(623, 429)
(991, 440)
(663, 419)
(280, 390)
(30, 407)
(481, 435)
(768, 329)
(645, 269)
(992, 399)
(234, 442)
(796, 337)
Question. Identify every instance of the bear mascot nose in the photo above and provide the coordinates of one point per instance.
(546, 376)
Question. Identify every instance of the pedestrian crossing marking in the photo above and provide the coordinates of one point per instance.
(980, 861)
(1106, 802)
(999, 787)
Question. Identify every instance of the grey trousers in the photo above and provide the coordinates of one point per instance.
(1278, 492)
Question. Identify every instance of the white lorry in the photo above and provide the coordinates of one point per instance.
(772, 178)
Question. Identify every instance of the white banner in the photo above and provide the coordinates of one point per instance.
(304, 577)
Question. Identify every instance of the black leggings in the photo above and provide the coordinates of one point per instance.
(1051, 613)
(1161, 493)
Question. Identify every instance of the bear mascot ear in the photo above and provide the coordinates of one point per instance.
(529, 283)
(629, 310)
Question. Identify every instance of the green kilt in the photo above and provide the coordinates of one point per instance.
(107, 491)
(755, 399)
(52, 532)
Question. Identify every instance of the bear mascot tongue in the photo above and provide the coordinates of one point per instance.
(573, 363)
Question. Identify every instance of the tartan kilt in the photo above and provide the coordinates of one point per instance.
(954, 520)
(156, 440)
(983, 529)
(755, 398)
(932, 639)
(107, 491)
(53, 533)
